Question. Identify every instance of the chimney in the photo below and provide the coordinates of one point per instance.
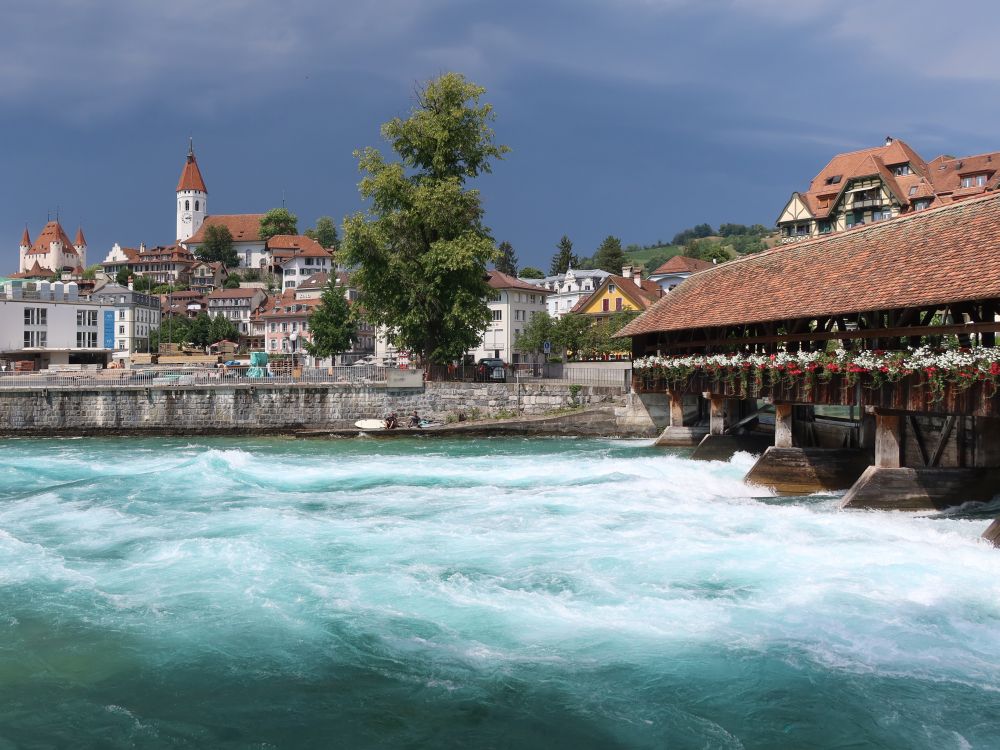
(888, 140)
(637, 275)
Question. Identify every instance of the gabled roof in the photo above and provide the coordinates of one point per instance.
(316, 281)
(642, 296)
(683, 264)
(191, 176)
(240, 293)
(933, 257)
(499, 280)
(289, 306)
(286, 246)
(35, 272)
(243, 227)
(52, 232)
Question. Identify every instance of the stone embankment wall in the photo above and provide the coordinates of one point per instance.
(274, 408)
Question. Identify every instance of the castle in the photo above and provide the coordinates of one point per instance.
(52, 252)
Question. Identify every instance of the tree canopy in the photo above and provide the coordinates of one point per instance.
(530, 272)
(563, 257)
(332, 325)
(506, 261)
(420, 250)
(218, 246)
(325, 233)
(201, 331)
(609, 256)
(278, 221)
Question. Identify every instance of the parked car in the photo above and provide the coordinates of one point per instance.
(491, 370)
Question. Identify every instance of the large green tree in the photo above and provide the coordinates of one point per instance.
(332, 325)
(218, 246)
(420, 251)
(325, 233)
(536, 333)
(609, 256)
(571, 335)
(563, 258)
(530, 272)
(278, 221)
(506, 261)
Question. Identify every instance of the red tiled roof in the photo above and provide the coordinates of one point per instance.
(499, 280)
(243, 227)
(233, 293)
(35, 272)
(683, 264)
(316, 281)
(52, 232)
(277, 307)
(79, 237)
(25, 238)
(934, 257)
(191, 176)
(296, 245)
(642, 296)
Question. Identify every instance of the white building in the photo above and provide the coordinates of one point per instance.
(51, 325)
(136, 315)
(238, 305)
(566, 289)
(192, 198)
(52, 251)
(675, 270)
(295, 258)
(513, 304)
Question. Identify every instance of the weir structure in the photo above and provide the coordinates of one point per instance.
(872, 353)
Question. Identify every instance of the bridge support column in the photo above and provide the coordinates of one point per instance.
(680, 431)
(717, 445)
(928, 462)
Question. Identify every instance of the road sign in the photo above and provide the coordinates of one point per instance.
(547, 347)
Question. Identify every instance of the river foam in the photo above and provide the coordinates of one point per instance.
(504, 592)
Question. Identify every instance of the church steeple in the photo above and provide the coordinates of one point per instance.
(192, 197)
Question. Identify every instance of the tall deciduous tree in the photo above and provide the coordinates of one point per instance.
(530, 272)
(325, 232)
(609, 256)
(218, 246)
(278, 221)
(563, 258)
(421, 249)
(507, 260)
(332, 325)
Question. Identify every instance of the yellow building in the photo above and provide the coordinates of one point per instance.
(619, 294)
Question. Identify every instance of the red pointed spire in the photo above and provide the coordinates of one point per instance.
(80, 241)
(25, 239)
(191, 176)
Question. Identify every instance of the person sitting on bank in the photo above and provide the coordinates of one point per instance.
(414, 419)
(391, 422)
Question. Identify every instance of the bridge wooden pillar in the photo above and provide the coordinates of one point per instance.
(683, 429)
(718, 415)
(783, 426)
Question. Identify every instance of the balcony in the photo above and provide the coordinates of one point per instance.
(860, 204)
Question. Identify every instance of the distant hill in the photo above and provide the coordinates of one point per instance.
(704, 242)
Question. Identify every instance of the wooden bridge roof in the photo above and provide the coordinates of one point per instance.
(935, 257)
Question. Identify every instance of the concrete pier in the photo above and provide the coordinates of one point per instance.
(802, 471)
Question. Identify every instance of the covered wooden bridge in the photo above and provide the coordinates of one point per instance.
(875, 348)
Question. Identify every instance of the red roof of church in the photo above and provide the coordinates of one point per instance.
(243, 227)
(53, 232)
(191, 176)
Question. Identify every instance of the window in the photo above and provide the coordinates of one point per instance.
(35, 339)
(980, 180)
(611, 288)
(833, 180)
(618, 304)
(121, 315)
(901, 170)
(801, 230)
(605, 304)
(196, 206)
(825, 227)
(497, 315)
(274, 343)
(855, 218)
(913, 190)
(187, 205)
(921, 205)
(121, 330)
(881, 215)
(86, 339)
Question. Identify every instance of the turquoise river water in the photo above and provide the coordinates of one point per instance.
(503, 593)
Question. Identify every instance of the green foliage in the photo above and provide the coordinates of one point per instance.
(90, 272)
(325, 233)
(142, 283)
(530, 272)
(574, 393)
(172, 330)
(563, 257)
(571, 334)
(538, 330)
(332, 325)
(121, 278)
(218, 247)
(506, 261)
(232, 281)
(696, 232)
(582, 336)
(421, 249)
(709, 249)
(609, 256)
(222, 329)
(278, 221)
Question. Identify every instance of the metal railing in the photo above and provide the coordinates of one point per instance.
(527, 373)
(159, 377)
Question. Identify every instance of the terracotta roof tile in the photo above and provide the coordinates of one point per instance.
(243, 227)
(934, 257)
(52, 232)
(191, 176)
(683, 264)
(287, 246)
(499, 280)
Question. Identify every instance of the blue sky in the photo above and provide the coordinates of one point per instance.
(628, 117)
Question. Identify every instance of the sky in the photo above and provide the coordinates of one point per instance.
(635, 118)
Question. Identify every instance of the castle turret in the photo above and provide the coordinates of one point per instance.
(192, 197)
(80, 245)
(23, 250)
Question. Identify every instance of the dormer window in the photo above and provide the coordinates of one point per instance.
(835, 180)
(901, 170)
(913, 190)
(974, 180)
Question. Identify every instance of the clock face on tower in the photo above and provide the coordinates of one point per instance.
(186, 218)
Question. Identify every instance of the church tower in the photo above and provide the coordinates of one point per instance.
(192, 197)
